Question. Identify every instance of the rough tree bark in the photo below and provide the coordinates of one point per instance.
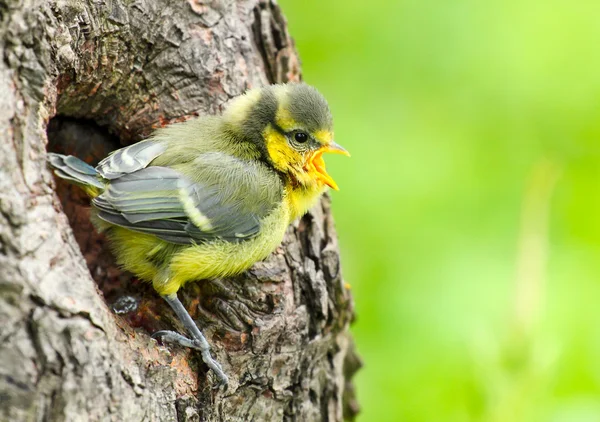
(86, 77)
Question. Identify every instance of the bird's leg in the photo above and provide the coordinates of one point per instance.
(198, 341)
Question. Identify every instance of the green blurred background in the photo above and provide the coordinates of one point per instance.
(469, 213)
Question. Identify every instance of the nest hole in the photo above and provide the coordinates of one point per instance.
(90, 142)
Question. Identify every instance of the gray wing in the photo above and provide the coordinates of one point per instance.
(227, 201)
(130, 159)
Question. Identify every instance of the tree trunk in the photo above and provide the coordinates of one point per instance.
(86, 77)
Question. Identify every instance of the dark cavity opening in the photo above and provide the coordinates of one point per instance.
(90, 142)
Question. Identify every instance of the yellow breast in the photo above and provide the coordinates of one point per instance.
(222, 258)
(300, 199)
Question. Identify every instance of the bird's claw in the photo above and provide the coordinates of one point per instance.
(197, 341)
(174, 337)
(216, 368)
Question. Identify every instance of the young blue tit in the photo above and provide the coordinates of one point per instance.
(209, 197)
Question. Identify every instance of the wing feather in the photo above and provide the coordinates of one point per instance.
(226, 199)
(130, 159)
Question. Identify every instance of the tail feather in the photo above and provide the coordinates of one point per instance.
(76, 171)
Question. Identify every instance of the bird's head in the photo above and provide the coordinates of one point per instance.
(292, 127)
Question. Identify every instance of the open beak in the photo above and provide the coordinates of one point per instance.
(316, 161)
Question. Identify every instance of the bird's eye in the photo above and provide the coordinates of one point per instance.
(300, 137)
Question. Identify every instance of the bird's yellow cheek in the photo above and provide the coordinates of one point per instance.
(287, 160)
(284, 158)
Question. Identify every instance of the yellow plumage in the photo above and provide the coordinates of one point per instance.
(136, 252)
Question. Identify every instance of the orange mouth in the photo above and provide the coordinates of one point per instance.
(318, 164)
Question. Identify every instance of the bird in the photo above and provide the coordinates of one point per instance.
(207, 198)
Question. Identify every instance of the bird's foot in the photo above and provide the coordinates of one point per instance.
(167, 336)
(199, 344)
